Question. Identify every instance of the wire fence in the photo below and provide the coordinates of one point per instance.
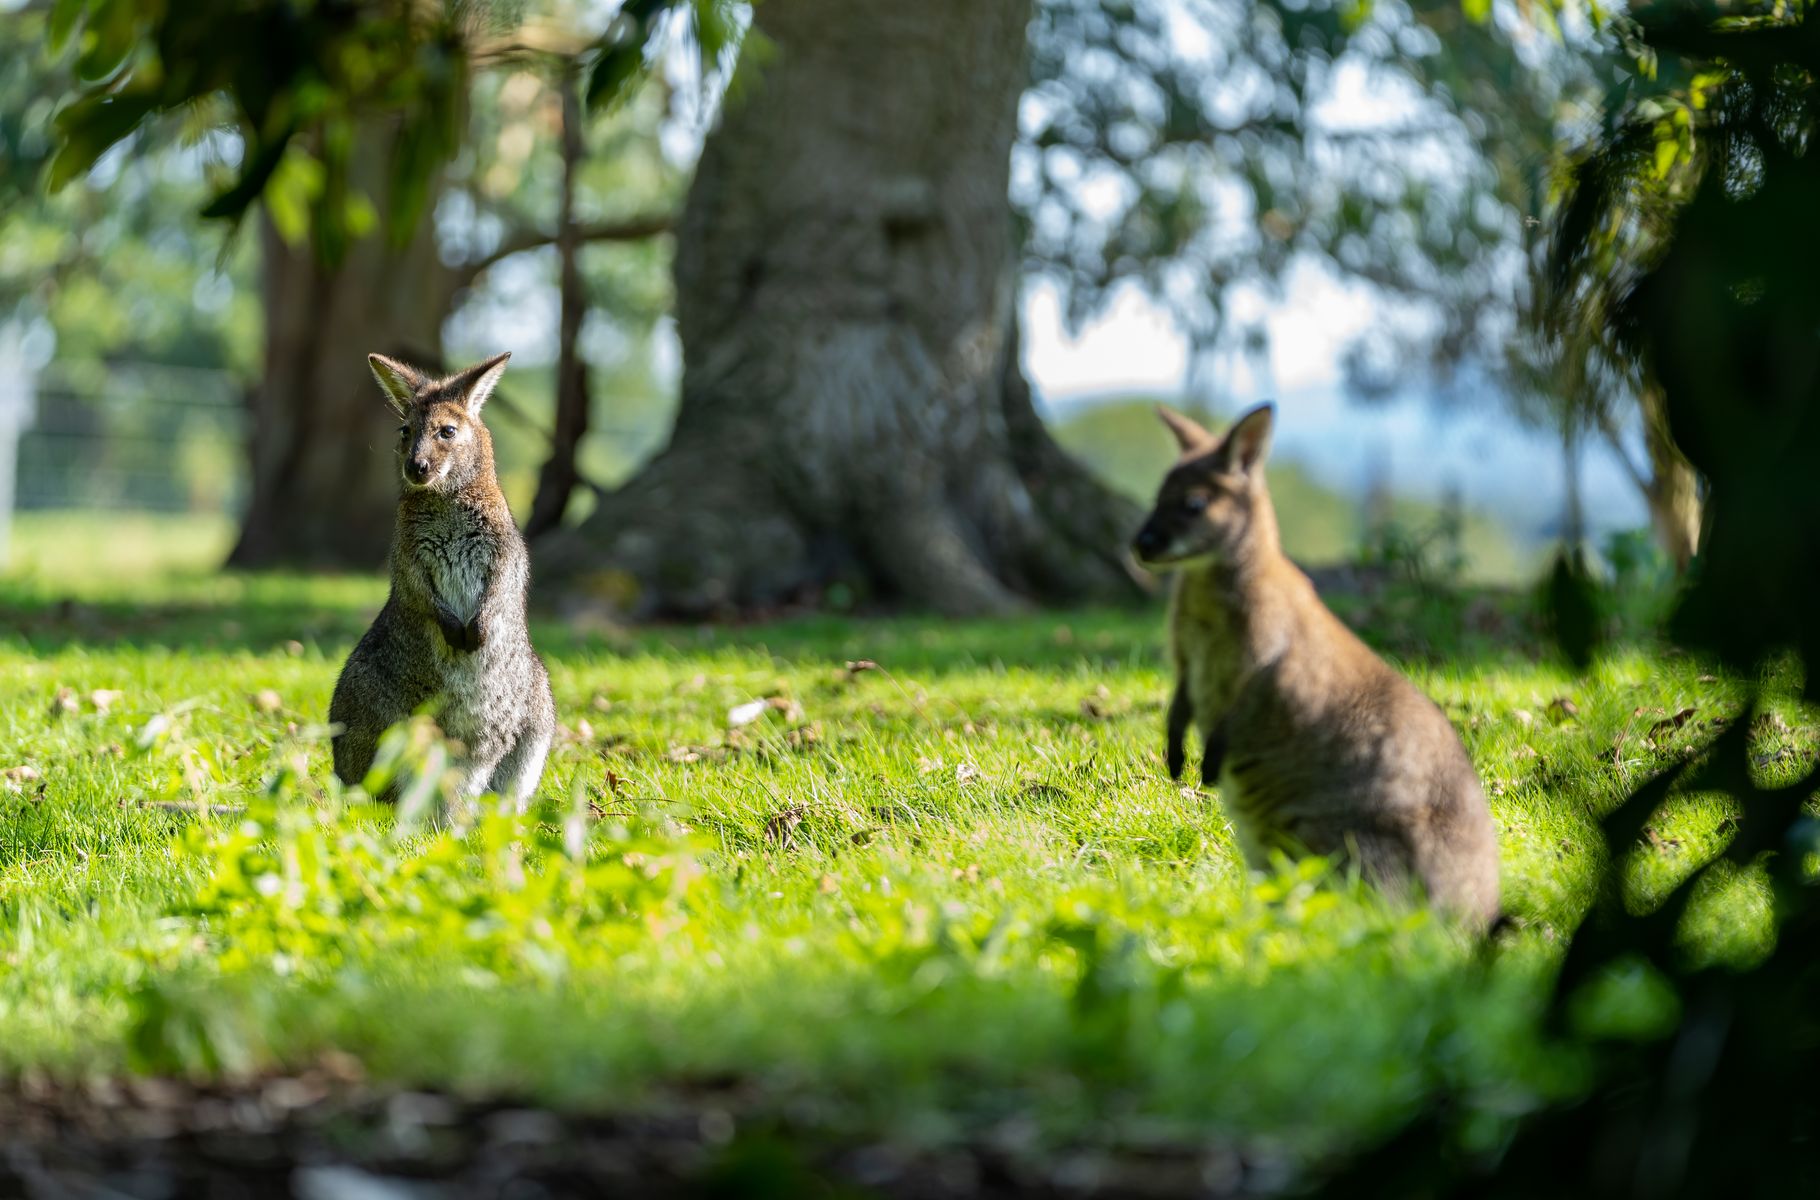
(143, 437)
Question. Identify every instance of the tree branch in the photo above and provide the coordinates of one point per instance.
(627, 229)
(1614, 437)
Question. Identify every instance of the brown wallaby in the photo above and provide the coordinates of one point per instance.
(452, 632)
(1317, 745)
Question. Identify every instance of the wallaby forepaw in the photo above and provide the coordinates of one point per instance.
(474, 636)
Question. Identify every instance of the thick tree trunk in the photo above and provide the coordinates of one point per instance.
(853, 408)
(324, 483)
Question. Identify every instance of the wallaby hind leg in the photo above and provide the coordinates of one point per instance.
(354, 750)
(517, 775)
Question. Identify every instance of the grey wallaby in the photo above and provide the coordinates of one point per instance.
(1316, 743)
(452, 633)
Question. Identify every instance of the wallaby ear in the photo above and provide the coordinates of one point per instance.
(1248, 441)
(397, 381)
(476, 383)
(1188, 435)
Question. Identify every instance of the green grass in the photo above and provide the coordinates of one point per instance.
(948, 895)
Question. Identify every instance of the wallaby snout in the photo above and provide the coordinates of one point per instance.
(1150, 542)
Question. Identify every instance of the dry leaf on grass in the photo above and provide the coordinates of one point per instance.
(16, 778)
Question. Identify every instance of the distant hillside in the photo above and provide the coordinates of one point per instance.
(1124, 444)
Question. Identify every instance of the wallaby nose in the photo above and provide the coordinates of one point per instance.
(418, 469)
(1148, 542)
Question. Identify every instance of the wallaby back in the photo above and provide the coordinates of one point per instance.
(1317, 744)
(453, 633)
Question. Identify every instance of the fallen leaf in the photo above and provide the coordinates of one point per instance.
(1524, 716)
(268, 701)
(780, 830)
(966, 773)
(104, 698)
(1562, 708)
(600, 703)
(64, 703)
(856, 666)
(17, 777)
(584, 732)
(294, 648)
(1668, 724)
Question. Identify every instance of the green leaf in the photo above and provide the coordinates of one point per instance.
(89, 128)
(62, 23)
(293, 186)
(614, 72)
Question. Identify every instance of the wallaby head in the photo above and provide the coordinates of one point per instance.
(442, 444)
(1213, 507)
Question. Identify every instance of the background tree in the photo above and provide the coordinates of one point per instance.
(341, 128)
(1182, 148)
(1198, 149)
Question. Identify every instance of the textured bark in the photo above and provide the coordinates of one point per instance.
(324, 484)
(852, 404)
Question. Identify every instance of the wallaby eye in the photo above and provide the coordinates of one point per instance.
(446, 432)
(1195, 501)
(404, 431)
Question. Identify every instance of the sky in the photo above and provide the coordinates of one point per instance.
(1417, 444)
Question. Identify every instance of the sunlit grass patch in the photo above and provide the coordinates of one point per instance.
(910, 876)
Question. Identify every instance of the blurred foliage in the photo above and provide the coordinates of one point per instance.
(1721, 309)
(116, 267)
(1202, 148)
(113, 267)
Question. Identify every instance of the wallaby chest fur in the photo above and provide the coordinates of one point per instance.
(452, 634)
(1316, 743)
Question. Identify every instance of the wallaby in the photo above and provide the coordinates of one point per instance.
(452, 632)
(1316, 743)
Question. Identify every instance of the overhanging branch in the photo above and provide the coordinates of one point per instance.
(628, 229)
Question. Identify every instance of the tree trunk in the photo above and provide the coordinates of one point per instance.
(1674, 488)
(324, 481)
(853, 408)
(557, 480)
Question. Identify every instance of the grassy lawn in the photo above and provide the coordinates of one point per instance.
(948, 897)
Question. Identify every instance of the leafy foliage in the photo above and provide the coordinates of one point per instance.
(1722, 311)
(1203, 149)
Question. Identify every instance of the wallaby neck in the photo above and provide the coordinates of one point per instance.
(1257, 598)
(480, 497)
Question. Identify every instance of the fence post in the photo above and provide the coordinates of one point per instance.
(17, 404)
